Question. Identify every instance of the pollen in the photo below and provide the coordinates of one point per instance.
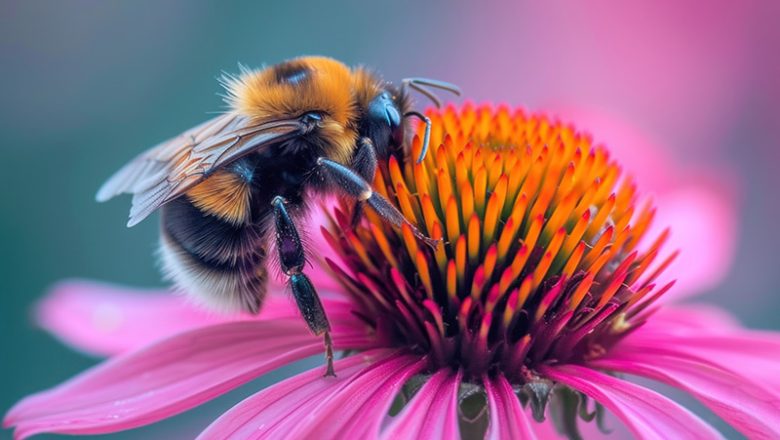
(543, 256)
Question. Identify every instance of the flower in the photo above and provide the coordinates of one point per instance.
(542, 293)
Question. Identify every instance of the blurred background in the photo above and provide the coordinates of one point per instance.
(86, 85)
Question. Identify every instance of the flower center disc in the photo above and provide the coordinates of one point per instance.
(539, 259)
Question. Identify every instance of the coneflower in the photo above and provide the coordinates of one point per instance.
(541, 293)
(539, 261)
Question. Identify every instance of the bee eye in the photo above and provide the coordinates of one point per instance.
(311, 117)
(383, 108)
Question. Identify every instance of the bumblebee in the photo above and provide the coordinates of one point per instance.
(233, 185)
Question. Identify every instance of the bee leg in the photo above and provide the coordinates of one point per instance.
(426, 135)
(357, 214)
(353, 185)
(364, 163)
(292, 260)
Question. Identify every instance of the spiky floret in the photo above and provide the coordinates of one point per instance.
(540, 259)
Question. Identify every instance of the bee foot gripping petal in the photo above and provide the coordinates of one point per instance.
(293, 259)
(314, 314)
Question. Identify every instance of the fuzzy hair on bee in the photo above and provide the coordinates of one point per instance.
(299, 86)
(226, 189)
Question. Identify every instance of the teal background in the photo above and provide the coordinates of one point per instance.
(85, 85)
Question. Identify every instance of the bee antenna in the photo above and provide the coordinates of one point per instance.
(421, 84)
(426, 136)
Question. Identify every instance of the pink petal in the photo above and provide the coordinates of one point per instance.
(507, 418)
(711, 334)
(689, 319)
(546, 430)
(647, 414)
(171, 376)
(702, 217)
(750, 354)
(590, 431)
(104, 319)
(352, 405)
(358, 409)
(273, 409)
(432, 412)
(752, 410)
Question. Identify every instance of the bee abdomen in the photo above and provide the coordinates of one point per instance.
(219, 263)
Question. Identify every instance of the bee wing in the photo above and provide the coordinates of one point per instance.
(166, 171)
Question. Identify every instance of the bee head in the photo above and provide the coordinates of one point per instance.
(383, 110)
(382, 116)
